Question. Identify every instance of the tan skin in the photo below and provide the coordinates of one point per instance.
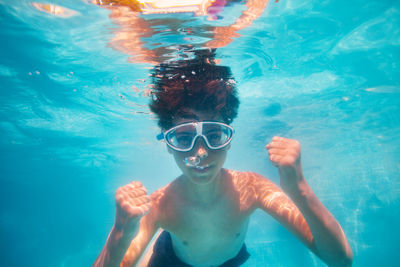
(200, 205)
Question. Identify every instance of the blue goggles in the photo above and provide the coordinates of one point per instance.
(182, 137)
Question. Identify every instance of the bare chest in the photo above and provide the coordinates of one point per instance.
(208, 234)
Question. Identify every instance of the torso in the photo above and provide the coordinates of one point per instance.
(207, 235)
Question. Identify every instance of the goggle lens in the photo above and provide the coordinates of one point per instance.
(215, 134)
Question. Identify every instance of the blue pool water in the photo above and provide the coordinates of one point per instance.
(74, 124)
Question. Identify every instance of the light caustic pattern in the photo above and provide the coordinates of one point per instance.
(254, 188)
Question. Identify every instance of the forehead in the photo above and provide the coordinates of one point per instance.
(191, 115)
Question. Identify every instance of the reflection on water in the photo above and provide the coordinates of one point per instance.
(55, 10)
(154, 39)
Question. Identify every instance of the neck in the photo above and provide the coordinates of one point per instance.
(204, 193)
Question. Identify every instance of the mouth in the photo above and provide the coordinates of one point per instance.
(201, 169)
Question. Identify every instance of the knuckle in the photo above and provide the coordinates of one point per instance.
(144, 189)
(139, 192)
(138, 183)
(296, 144)
(138, 201)
(124, 205)
(119, 194)
(118, 198)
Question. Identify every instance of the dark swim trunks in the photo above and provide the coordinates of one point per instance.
(164, 255)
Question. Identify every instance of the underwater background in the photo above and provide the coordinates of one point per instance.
(75, 126)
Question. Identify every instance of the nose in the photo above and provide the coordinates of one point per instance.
(200, 148)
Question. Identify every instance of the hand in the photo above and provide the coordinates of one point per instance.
(284, 152)
(132, 204)
(285, 155)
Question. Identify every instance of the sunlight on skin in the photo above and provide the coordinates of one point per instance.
(55, 10)
(284, 154)
(330, 242)
(253, 191)
(256, 190)
(250, 190)
(132, 202)
(178, 209)
(147, 228)
(133, 27)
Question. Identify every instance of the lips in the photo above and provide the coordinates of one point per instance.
(203, 168)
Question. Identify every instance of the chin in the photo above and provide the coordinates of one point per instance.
(201, 180)
(203, 175)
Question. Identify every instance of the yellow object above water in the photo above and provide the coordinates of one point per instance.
(199, 7)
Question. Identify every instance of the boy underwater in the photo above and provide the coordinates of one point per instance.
(204, 213)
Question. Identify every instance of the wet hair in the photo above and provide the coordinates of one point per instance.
(198, 84)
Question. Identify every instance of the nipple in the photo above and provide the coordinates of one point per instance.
(192, 161)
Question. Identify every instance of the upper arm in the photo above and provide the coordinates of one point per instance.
(275, 202)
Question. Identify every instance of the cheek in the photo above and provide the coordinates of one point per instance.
(177, 156)
(180, 159)
(220, 156)
(170, 150)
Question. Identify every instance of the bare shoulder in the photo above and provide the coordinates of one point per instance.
(252, 187)
(243, 180)
(249, 188)
(166, 193)
(164, 202)
(159, 194)
(262, 193)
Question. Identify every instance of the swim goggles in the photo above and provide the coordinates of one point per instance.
(182, 137)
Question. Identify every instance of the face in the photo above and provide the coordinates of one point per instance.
(210, 161)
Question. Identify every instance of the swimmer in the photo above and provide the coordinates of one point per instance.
(202, 216)
(135, 25)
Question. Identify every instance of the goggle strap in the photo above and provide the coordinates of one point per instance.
(160, 136)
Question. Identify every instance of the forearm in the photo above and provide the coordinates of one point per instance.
(330, 241)
(115, 248)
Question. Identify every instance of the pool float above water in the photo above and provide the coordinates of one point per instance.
(55, 10)
(198, 7)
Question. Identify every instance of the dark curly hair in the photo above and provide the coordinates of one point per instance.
(197, 84)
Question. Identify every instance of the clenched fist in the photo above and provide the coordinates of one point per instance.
(283, 152)
(132, 203)
(285, 155)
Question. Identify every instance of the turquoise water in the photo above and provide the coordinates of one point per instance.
(74, 124)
